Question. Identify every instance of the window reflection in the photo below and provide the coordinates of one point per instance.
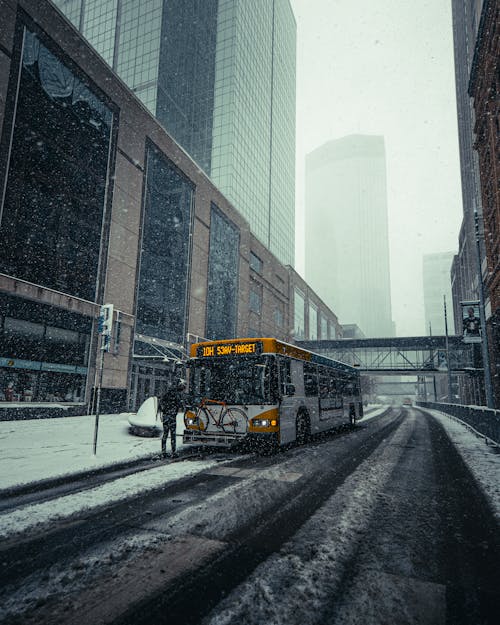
(165, 251)
(50, 232)
(299, 315)
(222, 302)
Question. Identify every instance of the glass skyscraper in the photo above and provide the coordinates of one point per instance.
(346, 198)
(220, 76)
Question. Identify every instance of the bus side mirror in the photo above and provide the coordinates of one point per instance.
(289, 389)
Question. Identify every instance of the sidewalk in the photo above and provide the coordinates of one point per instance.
(39, 449)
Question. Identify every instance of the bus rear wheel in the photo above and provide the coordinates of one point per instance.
(302, 429)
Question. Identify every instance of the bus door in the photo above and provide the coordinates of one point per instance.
(288, 374)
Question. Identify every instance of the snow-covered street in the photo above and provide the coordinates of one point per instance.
(297, 524)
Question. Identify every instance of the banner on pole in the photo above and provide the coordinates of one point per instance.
(471, 322)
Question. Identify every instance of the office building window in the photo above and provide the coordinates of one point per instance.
(255, 301)
(278, 317)
(299, 314)
(255, 263)
(313, 322)
(162, 299)
(323, 327)
(52, 217)
(44, 351)
(223, 271)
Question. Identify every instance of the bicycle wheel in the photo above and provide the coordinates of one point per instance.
(234, 420)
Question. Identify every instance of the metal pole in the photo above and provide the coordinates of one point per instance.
(488, 388)
(432, 360)
(98, 400)
(448, 363)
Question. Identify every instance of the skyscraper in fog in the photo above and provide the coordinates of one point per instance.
(220, 76)
(347, 247)
(437, 283)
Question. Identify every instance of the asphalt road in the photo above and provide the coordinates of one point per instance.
(381, 524)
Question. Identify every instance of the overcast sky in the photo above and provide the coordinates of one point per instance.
(386, 67)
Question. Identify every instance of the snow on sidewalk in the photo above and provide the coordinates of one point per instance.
(482, 460)
(39, 449)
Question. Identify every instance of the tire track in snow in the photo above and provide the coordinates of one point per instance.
(294, 586)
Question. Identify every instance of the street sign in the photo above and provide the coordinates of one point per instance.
(105, 326)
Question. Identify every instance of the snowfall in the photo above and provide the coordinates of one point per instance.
(37, 450)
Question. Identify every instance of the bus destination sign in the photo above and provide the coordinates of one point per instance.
(216, 350)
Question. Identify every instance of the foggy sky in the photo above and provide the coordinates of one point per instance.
(386, 67)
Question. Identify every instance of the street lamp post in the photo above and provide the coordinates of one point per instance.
(450, 397)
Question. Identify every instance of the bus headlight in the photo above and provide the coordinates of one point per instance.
(260, 423)
(264, 423)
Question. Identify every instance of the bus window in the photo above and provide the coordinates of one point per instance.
(236, 381)
(285, 375)
(324, 384)
(310, 380)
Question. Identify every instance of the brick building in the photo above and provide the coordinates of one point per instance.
(484, 88)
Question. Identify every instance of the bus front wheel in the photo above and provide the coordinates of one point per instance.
(302, 429)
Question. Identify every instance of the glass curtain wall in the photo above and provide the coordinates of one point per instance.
(242, 109)
(282, 179)
(127, 34)
(52, 217)
(313, 322)
(165, 254)
(299, 304)
(223, 270)
(186, 75)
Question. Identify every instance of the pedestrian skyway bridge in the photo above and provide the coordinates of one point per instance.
(410, 355)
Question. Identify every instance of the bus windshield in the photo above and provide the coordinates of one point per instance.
(245, 380)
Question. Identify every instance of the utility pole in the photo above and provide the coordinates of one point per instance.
(104, 328)
(432, 360)
(450, 397)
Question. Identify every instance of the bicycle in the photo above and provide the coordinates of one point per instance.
(229, 420)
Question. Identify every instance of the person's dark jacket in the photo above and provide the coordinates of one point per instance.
(170, 403)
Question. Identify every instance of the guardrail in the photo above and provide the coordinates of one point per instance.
(484, 421)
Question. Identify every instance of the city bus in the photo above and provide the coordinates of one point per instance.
(265, 391)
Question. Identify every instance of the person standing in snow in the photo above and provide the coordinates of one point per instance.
(170, 404)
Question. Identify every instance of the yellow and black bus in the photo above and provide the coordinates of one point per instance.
(268, 391)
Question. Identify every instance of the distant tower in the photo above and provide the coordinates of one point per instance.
(437, 282)
(347, 248)
(220, 76)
